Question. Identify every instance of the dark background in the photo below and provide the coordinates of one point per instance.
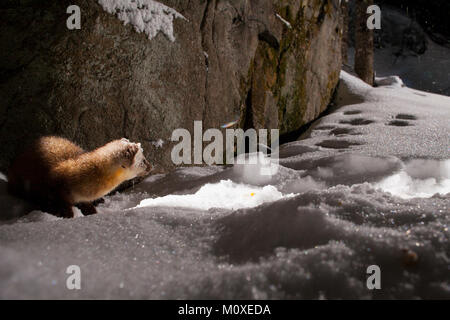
(432, 15)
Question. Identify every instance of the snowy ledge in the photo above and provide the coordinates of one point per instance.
(145, 15)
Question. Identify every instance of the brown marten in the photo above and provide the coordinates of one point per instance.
(56, 174)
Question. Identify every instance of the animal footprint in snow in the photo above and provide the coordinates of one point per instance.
(342, 131)
(324, 128)
(357, 122)
(403, 116)
(352, 112)
(399, 123)
(400, 120)
(337, 144)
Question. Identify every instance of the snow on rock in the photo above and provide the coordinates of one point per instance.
(283, 20)
(146, 16)
(158, 143)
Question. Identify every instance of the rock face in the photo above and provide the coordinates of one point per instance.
(270, 64)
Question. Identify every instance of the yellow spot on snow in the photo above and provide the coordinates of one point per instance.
(252, 194)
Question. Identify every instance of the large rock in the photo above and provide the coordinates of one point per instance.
(230, 60)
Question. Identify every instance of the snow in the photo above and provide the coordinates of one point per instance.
(420, 178)
(384, 121)
(158, 143)
(283, 20)
(146, 16)
(393, 81)
(225, 195)
(359, 188)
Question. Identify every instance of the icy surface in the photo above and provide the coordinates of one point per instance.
(146, 16)
(368, 184)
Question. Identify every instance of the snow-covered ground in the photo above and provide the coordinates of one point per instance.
(367, 185)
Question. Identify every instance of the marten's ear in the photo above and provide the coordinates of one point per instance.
(131, 151)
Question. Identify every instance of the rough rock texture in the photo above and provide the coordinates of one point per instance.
(230, 60)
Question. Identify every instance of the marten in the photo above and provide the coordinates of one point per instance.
(56, 174)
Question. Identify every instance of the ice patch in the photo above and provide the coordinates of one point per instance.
(225, 194)
(145, 15)
(419, 179)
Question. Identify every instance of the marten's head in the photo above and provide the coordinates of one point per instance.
(132, 160)
(104, 169)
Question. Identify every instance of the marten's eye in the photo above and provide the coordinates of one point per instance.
(123, 166)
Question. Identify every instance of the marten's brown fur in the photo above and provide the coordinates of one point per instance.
(56, 174)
